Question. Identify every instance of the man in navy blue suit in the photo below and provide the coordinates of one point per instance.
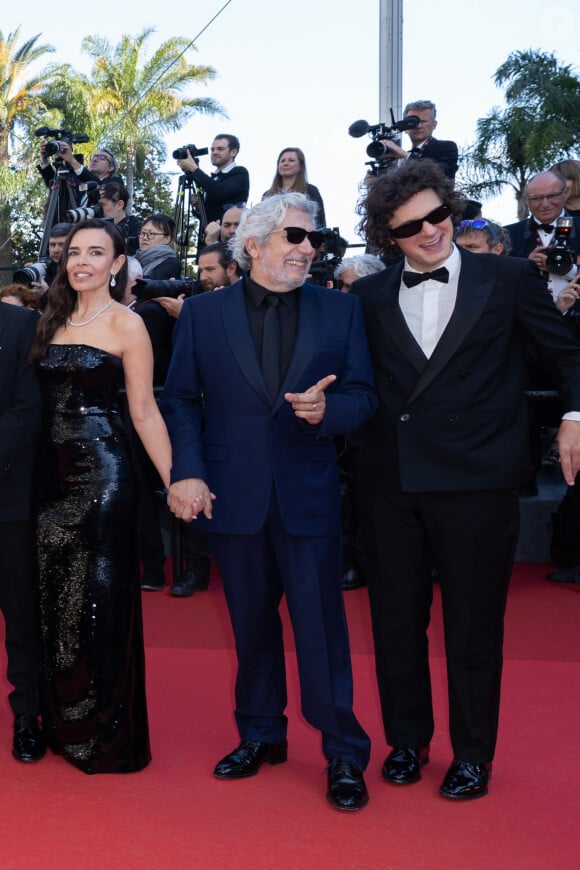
(265, 373)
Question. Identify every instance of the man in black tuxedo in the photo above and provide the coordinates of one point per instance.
(443, 459)
(19, 423)
(425, 145)
(230, 184)
(545, 196)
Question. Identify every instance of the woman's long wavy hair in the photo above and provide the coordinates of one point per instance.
(62, 298)
(301, 180)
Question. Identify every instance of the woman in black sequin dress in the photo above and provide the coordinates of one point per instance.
(88, 345)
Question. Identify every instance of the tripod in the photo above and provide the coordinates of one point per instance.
(62, 198)
(190, 222)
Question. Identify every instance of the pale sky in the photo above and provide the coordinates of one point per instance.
(299, 72)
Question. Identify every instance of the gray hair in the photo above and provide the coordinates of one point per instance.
(134, 269)
(361, 265)
(420, 106)
(258, 222)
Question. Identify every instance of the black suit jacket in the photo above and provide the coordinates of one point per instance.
(227, 189)
(19, 411)
(458, 420)
(524, 237)
(441, 151)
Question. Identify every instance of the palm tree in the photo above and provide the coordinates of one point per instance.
(20, 103)
(539, 126)
(131, 100)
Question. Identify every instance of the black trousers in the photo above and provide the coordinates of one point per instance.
(19, 606)
(470, 537)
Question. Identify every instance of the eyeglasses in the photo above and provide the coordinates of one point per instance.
(101, 157)
(149, 235)
(413, 228)
(478, 224)
(296, 235)
(536, 199)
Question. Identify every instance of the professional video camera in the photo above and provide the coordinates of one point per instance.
(33, 273)
(60, 135)
(381, 156)
(321, 271)
(149, 288)
(560, 257)
(181, 153)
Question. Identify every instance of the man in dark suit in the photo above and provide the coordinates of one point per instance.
(425, 145)
(230, 184)
(264, 374)
(19, 423)
(532, 237)
(443, 459)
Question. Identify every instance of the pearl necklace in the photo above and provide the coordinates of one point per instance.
(94, 317)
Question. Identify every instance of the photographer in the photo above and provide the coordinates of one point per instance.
(545, 196)
(424, 145)
(229, 184)
(102, 166)
(113, 199)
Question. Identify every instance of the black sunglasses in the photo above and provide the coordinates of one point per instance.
(296, 235)
(412, 228)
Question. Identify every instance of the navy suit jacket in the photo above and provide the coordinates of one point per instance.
(458, 421)
(20, 411)
(225, 429)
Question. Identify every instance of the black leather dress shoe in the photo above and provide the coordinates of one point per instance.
(352, 579)
(185, 586)
(246, 759)
(28, 744)
(346, 786)
(465, 780)
(403, 765)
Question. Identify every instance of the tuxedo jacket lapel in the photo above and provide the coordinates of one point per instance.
(473, 292)
(393, 323)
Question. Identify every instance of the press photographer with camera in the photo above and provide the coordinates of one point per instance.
(539, 237)
(102, 166)
(424, 145)
(229, 184)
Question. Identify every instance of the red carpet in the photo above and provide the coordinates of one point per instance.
(176, 815)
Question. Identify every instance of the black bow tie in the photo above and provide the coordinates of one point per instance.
(547, 228)
(411, 279)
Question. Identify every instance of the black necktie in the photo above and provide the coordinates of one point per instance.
(271, 345)
(547, 228)
(411, 279)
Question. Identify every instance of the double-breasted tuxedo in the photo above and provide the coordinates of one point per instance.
(439, 472)
(276, 518)
(19, 425)
(442, 151)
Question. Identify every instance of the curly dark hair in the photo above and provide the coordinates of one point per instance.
(393, 189)
(61, 296)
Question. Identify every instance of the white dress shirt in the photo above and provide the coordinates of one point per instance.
(427, 307)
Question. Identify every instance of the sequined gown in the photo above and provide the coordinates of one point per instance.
(94, 707)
